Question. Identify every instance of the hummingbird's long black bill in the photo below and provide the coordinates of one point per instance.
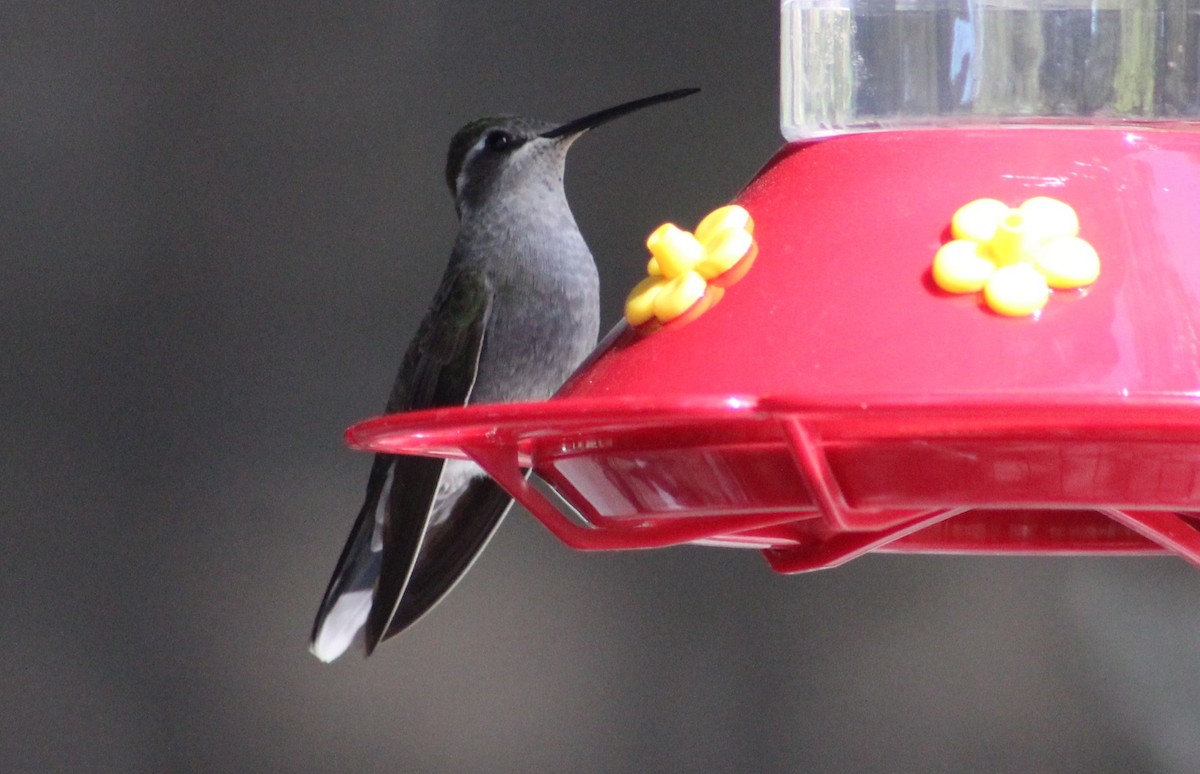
(608, 114)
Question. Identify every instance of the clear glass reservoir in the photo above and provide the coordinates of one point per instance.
(860, 65)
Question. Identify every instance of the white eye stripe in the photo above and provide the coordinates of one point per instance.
(479, 147)
(467, 159)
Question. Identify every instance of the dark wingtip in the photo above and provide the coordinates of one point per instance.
(375, 630)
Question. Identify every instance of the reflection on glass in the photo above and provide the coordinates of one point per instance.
(855, 65)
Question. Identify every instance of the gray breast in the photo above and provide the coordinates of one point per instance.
(545, 320)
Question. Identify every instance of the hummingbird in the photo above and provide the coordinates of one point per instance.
(517, 310)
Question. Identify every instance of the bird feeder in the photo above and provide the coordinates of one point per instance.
(966, 317)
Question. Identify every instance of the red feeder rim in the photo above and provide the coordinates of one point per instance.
(843, 454)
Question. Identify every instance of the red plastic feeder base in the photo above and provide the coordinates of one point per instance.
(880, 413)
(817, 485)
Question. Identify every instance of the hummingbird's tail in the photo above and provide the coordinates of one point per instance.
(459, 526)
(347, 599)
(403, 558)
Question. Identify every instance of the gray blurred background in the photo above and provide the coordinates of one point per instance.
(219, 226)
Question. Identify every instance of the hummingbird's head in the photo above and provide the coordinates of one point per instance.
(491, 156)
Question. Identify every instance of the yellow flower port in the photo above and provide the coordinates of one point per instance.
(1015, 256)
(687, 270)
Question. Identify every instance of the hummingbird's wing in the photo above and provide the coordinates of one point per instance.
(439, 514)
(449, 548)
(381, 553)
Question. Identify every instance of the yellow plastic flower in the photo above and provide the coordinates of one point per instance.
(687, 270)
(1015, 256)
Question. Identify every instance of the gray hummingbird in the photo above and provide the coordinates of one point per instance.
(518, 309)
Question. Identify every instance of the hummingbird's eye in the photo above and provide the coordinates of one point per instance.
(499, 140)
